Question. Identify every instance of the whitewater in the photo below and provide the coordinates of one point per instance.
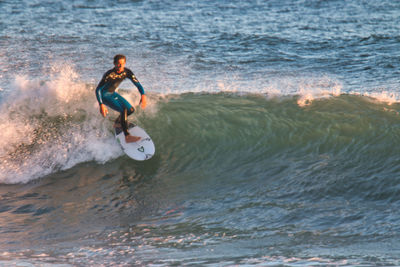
(276, 125)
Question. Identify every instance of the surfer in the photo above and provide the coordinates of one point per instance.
(106, 95)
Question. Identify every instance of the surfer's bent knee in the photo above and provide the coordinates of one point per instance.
(130, 111)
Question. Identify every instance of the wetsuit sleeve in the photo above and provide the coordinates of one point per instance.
(99, 88)
(135, 81)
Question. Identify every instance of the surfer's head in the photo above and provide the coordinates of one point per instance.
(119, 63)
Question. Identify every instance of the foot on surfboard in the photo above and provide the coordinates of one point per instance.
(131, 138)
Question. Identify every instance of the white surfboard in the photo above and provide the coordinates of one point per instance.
(141, 150)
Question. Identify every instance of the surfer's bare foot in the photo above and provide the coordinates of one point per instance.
(131, 138)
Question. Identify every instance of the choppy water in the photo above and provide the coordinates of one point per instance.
(276, 125)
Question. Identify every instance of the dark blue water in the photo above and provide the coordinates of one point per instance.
(276, 126)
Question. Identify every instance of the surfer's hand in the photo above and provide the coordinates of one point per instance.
(143, 102)
(103, 110)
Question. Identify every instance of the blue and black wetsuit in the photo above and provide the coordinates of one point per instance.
(105, 93)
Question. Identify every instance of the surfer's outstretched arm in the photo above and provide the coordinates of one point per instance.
(99, 89)
(135, 81)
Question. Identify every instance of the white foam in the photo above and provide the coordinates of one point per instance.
(385, 96)
(51, 125)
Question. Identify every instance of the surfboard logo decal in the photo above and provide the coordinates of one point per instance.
(141, 149)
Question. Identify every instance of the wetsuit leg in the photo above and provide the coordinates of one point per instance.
(124, 121)
(128, 112)
(120, 104)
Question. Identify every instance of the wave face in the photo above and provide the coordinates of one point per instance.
(49, 128)
(232, 172)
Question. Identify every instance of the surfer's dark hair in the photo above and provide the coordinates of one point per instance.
(118, 57)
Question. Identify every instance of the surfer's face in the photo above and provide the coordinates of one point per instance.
(120, 65)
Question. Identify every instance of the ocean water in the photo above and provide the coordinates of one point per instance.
(276, 125)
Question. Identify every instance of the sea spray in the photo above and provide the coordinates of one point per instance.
(51, 125)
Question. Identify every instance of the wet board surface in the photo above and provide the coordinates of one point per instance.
(141, 150)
